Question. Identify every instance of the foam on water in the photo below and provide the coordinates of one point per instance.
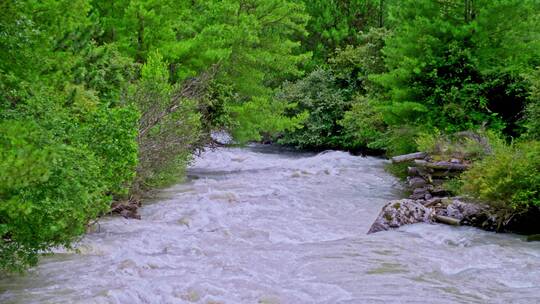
(259, 225)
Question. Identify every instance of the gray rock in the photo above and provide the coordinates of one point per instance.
(417, 182)
(458, 209)
(401, 212)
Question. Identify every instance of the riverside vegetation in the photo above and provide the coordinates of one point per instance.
(102, 101)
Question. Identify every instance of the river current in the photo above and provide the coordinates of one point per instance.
(262, 225)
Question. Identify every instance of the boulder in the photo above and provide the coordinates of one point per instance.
(401, 212)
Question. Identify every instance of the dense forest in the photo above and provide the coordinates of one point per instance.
(102, 101)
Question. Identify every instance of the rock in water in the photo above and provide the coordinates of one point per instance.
(401, 212)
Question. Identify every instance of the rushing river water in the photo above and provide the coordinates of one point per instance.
(256, 225)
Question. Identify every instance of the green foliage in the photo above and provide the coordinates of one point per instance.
(364, 125)
(58, 173)
(169, 128)
(399, 170)
(400, 140)
(532, 112)
(104, 70)
(260, 117)
(436, 58)
(250, 41)
(318, 95)
(507, 179)
(463, 145)
(353, 65)
(335, 24)
(67, 145)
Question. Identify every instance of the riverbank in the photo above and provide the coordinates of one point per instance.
(431, 201)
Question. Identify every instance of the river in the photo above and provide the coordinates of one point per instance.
(262, 225)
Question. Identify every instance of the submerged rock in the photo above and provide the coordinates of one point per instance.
(401, 212)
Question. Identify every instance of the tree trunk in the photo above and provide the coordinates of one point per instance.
(381, 13)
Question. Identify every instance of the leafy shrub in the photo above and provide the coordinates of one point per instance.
(507, 179)
(353, 65)
(250, 119)
(169, 128)
(532, 112)
(363, 125)
(400, 140)
(446, 63)
(63, 156)
(462, 145)
(318, 95)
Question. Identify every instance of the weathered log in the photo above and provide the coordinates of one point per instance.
(447, 220)
(408, 157)
(442, 165)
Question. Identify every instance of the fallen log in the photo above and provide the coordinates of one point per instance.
(447, 220)
(442, 165)
(408, 157)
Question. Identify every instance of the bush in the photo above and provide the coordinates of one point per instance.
(318, 95)
(532, 111)
(353, 65)
(363, 125)
(466, 145)
(249, 120)
(169, 129)
(507, 179)
(63, 156)
(400, 140)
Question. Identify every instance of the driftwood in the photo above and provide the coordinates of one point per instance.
(447, 220)
(408, 157)
(442, 165)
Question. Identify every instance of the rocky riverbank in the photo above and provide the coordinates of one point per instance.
(431, 202)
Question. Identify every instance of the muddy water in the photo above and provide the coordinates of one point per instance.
(256, 225)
